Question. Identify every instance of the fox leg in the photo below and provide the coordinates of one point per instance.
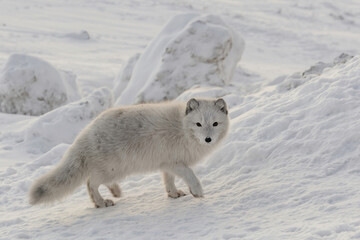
(187, 175)
(114, 189)
(169, 181)
(93, 190)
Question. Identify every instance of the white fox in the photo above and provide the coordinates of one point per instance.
(169, 136)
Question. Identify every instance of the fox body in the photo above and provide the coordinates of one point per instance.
(170, 136)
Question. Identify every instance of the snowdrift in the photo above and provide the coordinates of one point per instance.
(191, 50)
(297, 79)
(122, 80)
(63, 124)
(313, 126)
(32, 86)
(291, 154)
(294, 155)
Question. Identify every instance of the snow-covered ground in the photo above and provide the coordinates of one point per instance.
(289, 168)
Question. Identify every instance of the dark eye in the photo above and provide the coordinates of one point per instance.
(198, 124)
(215, 124)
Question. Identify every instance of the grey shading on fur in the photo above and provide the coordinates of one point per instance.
(169, 136)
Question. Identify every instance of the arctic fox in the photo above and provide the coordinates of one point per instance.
(170, 137)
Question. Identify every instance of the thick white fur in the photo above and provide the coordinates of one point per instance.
(138, 139)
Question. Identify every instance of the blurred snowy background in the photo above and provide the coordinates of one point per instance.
(289, 70)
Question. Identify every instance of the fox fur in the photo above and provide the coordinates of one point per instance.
(170, 137)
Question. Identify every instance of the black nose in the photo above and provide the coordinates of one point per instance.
(207, 139)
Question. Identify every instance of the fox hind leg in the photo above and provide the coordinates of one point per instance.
(93, 190)
(114, 189)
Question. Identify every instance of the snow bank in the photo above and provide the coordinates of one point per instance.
(122, 80)
(31, 86)
(63, 124)
(312, 125)
(190, 50)
(295, 153)
(290, 164)
(203, 92)
(83, 35)
(297, 79)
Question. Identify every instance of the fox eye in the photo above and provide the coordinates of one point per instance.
(215, 124)
(198, 124)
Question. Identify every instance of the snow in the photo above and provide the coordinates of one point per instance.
(122, 80)
(83, 35)
(190, 50)
(289, 168)
(31, 86)
(44, 132)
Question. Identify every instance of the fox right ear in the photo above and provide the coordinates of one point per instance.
(191, 105)
(221, 104)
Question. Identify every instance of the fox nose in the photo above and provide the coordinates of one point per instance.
(207, 139)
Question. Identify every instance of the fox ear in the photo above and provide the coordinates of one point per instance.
(191, 105)
(221, 104)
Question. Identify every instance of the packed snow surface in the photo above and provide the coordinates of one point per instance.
(289, 168)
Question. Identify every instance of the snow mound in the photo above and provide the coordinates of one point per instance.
(63, 124)
(32, 86)
(191, 50)
(296, 151)
(202, 92)
(319, 118)
(297, 79)
(83, 35)
(124, 77)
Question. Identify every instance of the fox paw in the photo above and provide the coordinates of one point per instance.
(176, 194)
(106, 203)
(197, 192)
(115, 190)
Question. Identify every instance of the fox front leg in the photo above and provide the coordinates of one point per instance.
(169, 181)
(187, 175)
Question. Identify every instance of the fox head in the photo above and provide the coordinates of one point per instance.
(206, 120)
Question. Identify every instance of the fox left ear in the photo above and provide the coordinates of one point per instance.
(221, 104)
